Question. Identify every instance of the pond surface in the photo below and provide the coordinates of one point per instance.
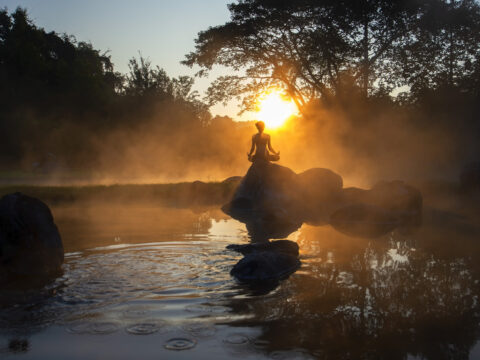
(153, 283)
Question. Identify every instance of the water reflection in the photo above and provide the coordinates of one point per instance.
(148, 279)
(386, 298)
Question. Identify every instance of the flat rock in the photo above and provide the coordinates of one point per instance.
(280, 246)
(265, 266)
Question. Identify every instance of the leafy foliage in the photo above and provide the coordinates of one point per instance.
(324, 48)
(58, 95)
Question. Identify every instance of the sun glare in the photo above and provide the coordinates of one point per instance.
(274, 109)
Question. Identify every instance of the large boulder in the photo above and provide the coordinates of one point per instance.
(320, 192)
(266, 199)
(374, 212)
(30, 244)
(319, 182)
(266, 186)
(362, 220)
(400, 199)
(274, 201)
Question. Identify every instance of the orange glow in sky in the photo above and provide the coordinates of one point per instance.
(274, 109)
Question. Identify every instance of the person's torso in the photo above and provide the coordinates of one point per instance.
(261, 141)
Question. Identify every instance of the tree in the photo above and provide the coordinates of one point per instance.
(58, 95)
(444, 51)
(39, 68)
(314, 48)
(152, 84)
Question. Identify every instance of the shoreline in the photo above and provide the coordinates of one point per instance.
(173, 194)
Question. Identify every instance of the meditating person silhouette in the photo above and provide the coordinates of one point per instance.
(261, 142)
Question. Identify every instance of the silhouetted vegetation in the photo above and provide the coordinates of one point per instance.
(382, 87)
(60, 98)
(319, 49)
(378, 76)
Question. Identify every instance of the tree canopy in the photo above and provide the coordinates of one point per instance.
(58, 94)
(323, 48)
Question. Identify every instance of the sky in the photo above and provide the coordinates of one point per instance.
(163, 31)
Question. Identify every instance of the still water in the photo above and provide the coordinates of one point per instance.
(153, 283)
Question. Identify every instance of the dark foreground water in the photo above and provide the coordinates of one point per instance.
(153, 283)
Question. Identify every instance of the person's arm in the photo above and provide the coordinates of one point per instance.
(252, 149)
(271, 148)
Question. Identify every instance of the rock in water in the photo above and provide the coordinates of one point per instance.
(273, 201)
(265, 187)
(396, 197)
(375, 212)
(280, 246)
(400, 199)
(265, 266)
(319, 182)
(30, 244)
(363, 221)
(266, 199)
(265, 261)
(320, 191)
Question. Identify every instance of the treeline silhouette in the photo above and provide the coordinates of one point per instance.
(387, 77)
(62, 102)
(63, 105)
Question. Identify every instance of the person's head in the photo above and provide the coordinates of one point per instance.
(260, 126)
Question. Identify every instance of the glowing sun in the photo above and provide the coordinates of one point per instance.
(274, 109)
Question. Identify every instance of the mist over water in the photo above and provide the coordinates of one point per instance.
(362, 146)
(385, 146)
(141, 280)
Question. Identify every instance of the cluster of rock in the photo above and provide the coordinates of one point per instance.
(273, 201)
(30, 244)
(271, 195)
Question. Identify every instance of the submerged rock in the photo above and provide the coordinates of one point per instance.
(375, 212)
(265, 266)
(265, 261)
(280, 246)
(363, 220)
(30, 244)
